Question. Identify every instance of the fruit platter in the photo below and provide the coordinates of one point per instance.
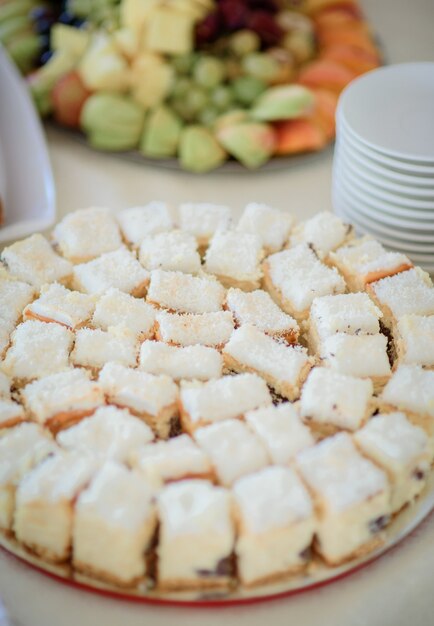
(195, 82)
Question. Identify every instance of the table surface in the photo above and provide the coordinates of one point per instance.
(396, 589)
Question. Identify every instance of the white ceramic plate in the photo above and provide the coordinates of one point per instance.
(380, 102)
(407, 167)
(29, 186)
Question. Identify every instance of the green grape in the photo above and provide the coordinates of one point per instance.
(244, 42)
(247, 89)
(181, 87)
(180, 107)
(222, 97)
(183, 63)
(196, 99)
(208, 115)
(209, 72)
(261, 65)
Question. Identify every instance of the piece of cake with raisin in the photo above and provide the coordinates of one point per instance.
(21, 448)
(189, 329)
(270, 225)
(178, 458)
(37, 350)
(234, 450)
(114, 525)
(94, 347)
(414, 340)
(258, 308)
(111, 433)
(86, 234)
(351, 313)
(331, 401)
(152, 398)
(275, 525)
(362, 356)
(119, 269)
(203, 220)
(184, 293)
(225, 398)
(62, 306)
(284, 367)
(44, 512)
(235, 258)
(62, 399)
(34, 261)
(296, 276)
(139, 222)
(196, 536)
(411, 389)
(116, 308)
(171, 251)
(281, 430)
(401, 449)
(364, 260)
(180, 362)
(351, 495)
(324, 232)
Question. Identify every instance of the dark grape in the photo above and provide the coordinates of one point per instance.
(235, 13)
(45, 56)
(209, 29)
(266, 27)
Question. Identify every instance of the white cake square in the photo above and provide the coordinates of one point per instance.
(324, 231)
(86, 234)
(203, 220)
(362, 356)
(62, 399)
(38, 349)
(352, 497)
(221, 399)
(109, 433)
(284, 367)
(119, 269)
(296, 276)
(175, 459)
(21, 448)
(407, 293)
(411, 389)
(58, 304)
(276, 524)
(364, 260)
(174, 250)
(14, 296)
(351, 313)
(152, 398)
(197, 536)
(114, 524)
(233, 448)
(44, 503)
(185, 293)
(270, 225)
(189, 362)
(34, 261)
(95, 347)
(281, 431)
(207, 329)
(11, 413)
(116, 308)
(401, 450)
(331, 401)
(414, 340)
(136, 223)
(235, 258)
(257, 308)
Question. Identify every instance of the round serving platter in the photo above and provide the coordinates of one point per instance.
(317, 575)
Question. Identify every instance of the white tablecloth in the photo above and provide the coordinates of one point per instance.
(397, 590)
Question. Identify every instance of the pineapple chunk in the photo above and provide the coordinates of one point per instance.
(151, 79)
(170, 31)
(103, 67)
(135, 13)
(127, 42)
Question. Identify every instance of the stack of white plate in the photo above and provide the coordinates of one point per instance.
(383, 171)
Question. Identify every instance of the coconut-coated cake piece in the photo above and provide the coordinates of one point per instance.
(324, 231)
(138, 222)
(235, 258)
(116, 308)
(63, 306)
(203, 219)
(269, 224)
(189, 329)
(185, 293)
(180, 362)
(171, 251)
(414, 340)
